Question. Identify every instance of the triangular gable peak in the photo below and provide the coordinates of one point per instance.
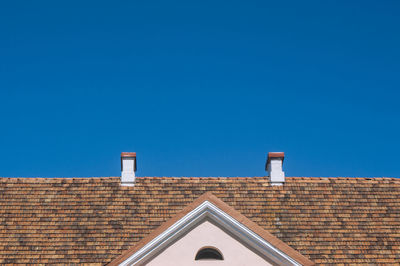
(209, 208)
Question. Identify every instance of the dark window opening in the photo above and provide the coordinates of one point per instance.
(208, 254)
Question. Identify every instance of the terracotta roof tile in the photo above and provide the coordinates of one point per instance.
(93, 220)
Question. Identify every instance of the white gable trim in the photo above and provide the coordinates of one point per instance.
(207, 210)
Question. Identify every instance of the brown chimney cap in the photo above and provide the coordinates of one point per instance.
(275, 155)
(128, 154)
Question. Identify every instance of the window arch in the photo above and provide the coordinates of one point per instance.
(209, 253)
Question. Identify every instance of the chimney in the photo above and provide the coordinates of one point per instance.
(128, 168)
(274, 168)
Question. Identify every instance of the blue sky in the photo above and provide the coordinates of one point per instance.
(199, 88)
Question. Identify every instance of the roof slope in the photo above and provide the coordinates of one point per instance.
(93, 220)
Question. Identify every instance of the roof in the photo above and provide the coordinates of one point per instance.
(94, 220)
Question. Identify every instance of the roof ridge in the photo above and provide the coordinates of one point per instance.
(200, 177)
(56, 177)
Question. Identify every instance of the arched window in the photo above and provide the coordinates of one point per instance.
(209, 253)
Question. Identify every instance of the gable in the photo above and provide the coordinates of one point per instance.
(208, 208)
(207, 234)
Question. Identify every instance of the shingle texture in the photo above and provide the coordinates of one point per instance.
(93, 220)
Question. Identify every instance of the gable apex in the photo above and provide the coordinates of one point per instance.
(210, 208)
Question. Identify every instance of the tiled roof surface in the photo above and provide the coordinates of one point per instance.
(93, 220)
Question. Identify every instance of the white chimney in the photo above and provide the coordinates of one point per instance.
(274, 168)
(128, 168)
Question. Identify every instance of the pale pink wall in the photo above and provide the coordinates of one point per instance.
(183, 252)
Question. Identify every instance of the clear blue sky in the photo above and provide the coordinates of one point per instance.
(199, 88)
